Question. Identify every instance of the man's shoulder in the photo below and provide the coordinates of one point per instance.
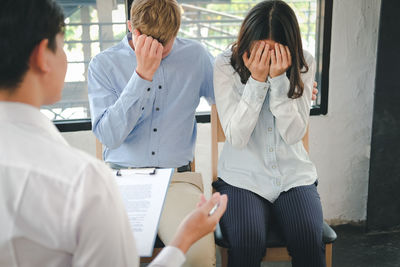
(188, 42)
(79, 164)
(110, 54)
(195, 47)
(47, 159)
(64, 163)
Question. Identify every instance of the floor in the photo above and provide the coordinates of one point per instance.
(355, 248)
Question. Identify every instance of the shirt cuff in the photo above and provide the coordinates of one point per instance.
(137, 86)
(279, 86)
(255, 91)
(169, 257)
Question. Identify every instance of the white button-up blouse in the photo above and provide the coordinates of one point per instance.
(264, 128)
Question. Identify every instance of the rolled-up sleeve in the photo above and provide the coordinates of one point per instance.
(115, 116)
(292, 115)
(238, 112)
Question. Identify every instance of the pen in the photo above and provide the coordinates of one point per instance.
(213, 209)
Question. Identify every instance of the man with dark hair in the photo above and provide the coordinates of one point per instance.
(15, 49)
(58, 205)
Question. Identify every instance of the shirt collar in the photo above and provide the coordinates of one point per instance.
(19, 113)
(126, 40)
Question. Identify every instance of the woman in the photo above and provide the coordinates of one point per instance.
(263, 86)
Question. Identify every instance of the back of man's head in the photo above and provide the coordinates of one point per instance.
(23, 25)
(159, 19)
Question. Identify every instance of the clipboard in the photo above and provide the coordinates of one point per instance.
(143, 171)
(143, 192)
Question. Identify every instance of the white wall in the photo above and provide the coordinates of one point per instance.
(340, 141)
(84, 140)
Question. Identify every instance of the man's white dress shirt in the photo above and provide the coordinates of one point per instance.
(264, 128)
(58, 205)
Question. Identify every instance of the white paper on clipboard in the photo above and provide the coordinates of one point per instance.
(144, 197)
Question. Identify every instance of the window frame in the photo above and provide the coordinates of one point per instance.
(324, 27)
(324, 51)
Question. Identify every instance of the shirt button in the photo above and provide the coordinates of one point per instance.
(155, 129)
(157, 109)
(271, 149)
(148, 89)
(269, 129)
(159, 87)
(273, 167)
(142, 108)
(153, 153)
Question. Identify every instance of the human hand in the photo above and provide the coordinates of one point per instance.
(314, 91)
(259, 61)
(148, 55)
(281, 60)
(199, 222)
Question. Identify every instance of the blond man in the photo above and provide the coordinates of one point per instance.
(143, 94)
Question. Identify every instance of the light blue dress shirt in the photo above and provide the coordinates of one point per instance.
(143, 123)
(264, 128)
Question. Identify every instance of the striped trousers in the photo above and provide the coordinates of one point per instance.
(298, 213)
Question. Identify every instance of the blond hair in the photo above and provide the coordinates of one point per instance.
(159, 19)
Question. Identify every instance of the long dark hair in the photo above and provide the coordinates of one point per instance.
(273, 20)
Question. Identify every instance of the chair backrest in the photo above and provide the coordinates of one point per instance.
(99, 150)
(217, 135)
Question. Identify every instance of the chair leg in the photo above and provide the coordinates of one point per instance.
(277, 254)
(224, 256)
(150, 259)
(328, 255)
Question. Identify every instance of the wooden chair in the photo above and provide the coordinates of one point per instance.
(276, 246)
(99, 149)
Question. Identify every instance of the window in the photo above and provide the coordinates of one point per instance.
(216, 25)
(94, 25)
